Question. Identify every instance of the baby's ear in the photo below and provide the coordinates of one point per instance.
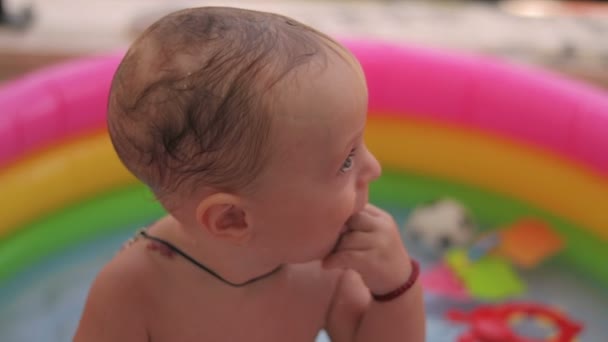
(222, 216)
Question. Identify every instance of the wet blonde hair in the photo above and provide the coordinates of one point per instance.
(189, 104)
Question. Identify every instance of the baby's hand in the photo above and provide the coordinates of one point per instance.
(373, 247)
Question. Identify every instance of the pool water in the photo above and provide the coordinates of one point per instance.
(44, 303)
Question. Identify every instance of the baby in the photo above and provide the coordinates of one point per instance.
(248, 128)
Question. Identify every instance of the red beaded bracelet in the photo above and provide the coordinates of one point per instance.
(403, 288)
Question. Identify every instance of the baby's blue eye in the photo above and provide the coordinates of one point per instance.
(348, 163)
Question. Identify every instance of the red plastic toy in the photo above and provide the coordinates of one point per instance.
(490, 323)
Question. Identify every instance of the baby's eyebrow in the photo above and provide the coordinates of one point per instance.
(349, 146)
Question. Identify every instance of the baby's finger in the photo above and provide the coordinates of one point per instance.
(355, 240)
(373, 210)
(343, 260)
(361, 221)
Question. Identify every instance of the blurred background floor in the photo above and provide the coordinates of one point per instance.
(569, 37)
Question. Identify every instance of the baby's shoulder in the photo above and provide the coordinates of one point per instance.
(126, 273)
(118, 300)
(128, 278)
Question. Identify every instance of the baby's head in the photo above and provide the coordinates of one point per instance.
(248, 125)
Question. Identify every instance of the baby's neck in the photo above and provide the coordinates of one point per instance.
(232, 266)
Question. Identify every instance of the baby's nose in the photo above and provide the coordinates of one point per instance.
(376, 167)
(373, 169)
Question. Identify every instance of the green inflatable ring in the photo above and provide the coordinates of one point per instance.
(134, 205)
(74, 225)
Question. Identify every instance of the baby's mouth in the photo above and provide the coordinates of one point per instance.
(343, 232)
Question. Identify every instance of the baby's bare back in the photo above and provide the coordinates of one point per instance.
(182, 303)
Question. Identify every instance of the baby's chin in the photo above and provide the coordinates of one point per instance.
(319, 255)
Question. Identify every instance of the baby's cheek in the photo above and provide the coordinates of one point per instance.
(337, 205)
(348, 203)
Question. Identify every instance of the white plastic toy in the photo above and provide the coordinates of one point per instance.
(440, 225)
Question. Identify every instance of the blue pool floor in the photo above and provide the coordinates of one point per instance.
(45, 302)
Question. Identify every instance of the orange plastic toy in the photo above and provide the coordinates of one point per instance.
(528, 242)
